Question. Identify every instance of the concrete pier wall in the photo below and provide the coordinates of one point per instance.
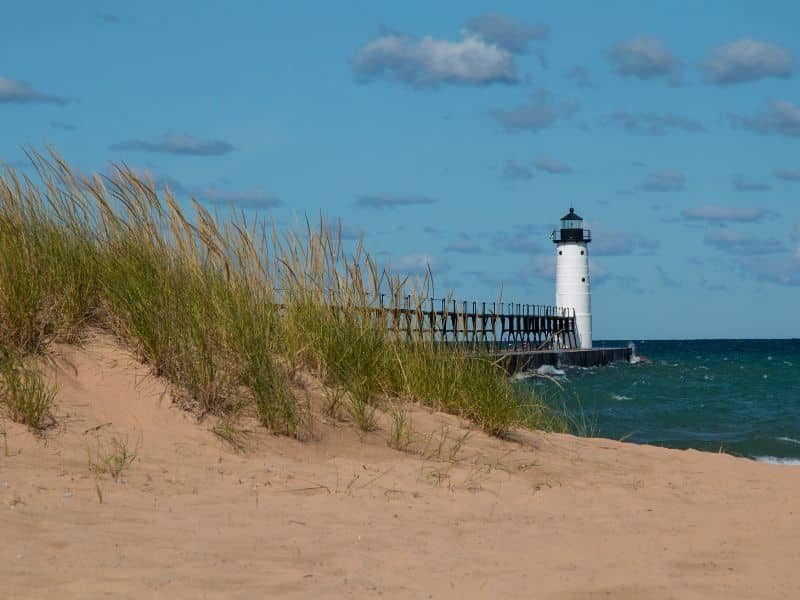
(532, 360)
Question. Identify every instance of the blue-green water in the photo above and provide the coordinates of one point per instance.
(741, 396)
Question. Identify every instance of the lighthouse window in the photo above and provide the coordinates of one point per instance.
(583, 279)
(581, 252)
(560, 253)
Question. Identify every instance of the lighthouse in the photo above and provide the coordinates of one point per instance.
(572, 273)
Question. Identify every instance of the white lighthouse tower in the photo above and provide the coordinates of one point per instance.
(572, 273)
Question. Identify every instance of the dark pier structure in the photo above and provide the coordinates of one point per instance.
(593, 357)
(521, 337)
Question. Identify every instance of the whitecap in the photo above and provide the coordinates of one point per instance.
(774, 460)
(550, 371)
(785, 438)
(620, 397)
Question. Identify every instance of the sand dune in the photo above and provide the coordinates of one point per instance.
(459, 514)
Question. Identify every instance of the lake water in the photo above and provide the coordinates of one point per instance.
(741, 396)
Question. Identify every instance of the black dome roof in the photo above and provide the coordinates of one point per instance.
(571, 216)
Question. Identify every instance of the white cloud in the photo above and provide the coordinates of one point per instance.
(610, 242)
(724, 213)
(781, 117)
(787, 174)
(780, 270)
(21, 92)
(580, 75)
(744, 184)
(428, 62)
(734, 242)
(515, 170)
(463, 246)
(654, 123)
(177, 143)
(253, 198)
(540, 113)
(645, 57)
(419, 264)
(747, 60)
(506, 32)
(539, 267)
(664, 181)
(552, 166)
(381, 201)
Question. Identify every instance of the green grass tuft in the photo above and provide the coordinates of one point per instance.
(27, 396)
(113, 458)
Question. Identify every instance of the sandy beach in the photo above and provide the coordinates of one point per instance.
(458, 514)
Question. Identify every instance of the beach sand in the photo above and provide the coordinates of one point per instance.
(536, 516)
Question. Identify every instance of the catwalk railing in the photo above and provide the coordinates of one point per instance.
(491, 326)
(495, 325)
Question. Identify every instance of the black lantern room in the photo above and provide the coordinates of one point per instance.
(572, 229)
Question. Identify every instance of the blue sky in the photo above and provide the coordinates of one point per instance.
(457, 134)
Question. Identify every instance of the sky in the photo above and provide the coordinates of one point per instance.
(455, 135)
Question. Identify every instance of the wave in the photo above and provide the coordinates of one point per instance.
(774, 460)
(550, 371)
(620, 397)
(785, 438)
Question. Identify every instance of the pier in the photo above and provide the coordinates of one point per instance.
(521, 337)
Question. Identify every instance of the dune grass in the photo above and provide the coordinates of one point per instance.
(112, 458)
(227, 310)
(27, 397)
